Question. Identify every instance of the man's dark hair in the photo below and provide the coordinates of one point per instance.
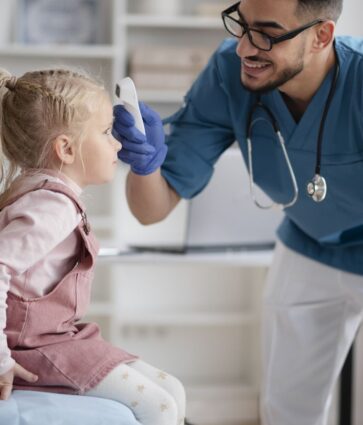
(324, 9)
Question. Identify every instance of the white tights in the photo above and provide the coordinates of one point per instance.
(155, 397)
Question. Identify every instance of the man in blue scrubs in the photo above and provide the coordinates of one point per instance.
(286, 56)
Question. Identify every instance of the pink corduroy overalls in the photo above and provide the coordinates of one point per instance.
(43, 333)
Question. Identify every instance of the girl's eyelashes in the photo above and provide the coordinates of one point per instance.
(108, 132)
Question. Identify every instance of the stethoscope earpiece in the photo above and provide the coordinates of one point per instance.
(317, 188)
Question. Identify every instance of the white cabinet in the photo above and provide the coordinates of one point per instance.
(169, 31)
(18, 55)
(195, 315)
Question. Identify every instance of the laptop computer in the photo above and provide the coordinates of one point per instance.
(222, 217)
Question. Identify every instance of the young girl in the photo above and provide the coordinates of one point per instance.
(55, 140)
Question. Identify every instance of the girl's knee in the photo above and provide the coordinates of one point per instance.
(169, 411)
(160, 409)
(176, 389)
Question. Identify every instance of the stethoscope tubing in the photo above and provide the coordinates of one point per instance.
(251, 122)
(287, 159)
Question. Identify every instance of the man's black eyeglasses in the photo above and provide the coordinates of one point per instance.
(259, 39)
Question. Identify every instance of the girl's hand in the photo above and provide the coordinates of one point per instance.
(6, 380)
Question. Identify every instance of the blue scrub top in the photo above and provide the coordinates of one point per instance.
(215, 114)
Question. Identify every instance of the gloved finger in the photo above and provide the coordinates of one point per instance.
(133, 157)
(144, 148)
(123, 116)
(5, 391)
(149, 116)
(121, 128)
(24, 374)
(116, 135)
(152, 163)
(131, 134)
(124, 158)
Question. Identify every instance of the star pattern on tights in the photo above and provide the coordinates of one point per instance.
(162, 375)
(140, 388)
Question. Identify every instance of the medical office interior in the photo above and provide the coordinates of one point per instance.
(184, 294)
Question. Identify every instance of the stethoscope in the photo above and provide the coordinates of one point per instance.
(317, 187)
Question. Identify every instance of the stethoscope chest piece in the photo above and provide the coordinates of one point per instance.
(317, 188)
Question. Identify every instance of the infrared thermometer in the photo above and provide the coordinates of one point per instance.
(127, 95)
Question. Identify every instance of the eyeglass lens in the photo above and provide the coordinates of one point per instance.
(257, 38)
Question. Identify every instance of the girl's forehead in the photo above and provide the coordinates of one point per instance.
(104, 111)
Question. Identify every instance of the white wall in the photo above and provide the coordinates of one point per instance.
(350, 23)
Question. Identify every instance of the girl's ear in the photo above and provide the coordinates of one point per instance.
(65, 150)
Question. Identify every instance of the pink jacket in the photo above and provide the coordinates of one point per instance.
(43, 330)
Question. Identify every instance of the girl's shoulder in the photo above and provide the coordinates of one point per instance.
(34, 225)
(42, 208)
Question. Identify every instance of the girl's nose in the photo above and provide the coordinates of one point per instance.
(117, 144)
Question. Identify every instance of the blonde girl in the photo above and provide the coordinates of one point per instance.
(56, 139)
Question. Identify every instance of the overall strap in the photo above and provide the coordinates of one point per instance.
(59, 188)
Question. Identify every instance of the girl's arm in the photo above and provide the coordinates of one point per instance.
(8, 368)
(6, 362)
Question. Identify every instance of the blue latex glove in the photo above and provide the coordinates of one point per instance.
(144, 153)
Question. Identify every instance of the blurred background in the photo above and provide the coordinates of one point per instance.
(195, 315)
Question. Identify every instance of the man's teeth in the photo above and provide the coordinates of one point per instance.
(255, 65)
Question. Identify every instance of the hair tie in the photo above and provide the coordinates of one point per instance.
(11, 83)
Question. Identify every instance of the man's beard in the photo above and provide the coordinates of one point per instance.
(284, 76)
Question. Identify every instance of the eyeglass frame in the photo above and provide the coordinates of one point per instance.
(273, 40)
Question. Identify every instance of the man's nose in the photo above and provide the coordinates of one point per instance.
(245, 48)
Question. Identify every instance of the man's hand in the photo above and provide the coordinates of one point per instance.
(6, 380)
(144, 153)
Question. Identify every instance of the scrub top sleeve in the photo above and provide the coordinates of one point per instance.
(199, 133)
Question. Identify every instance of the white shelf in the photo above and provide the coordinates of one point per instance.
(192, 319)
(150, 21)
(161, 96)
(104, 51)
(212, 391)
(214, 404)
(241, 258)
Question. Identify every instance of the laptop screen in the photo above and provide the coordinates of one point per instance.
(222, 217)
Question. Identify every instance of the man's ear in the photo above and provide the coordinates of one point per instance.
(65, 149)
(324, 35)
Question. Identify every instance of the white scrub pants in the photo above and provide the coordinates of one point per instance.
(311, 315)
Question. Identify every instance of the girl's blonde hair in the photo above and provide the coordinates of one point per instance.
(34, 110)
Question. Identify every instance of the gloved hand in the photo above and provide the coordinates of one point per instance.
(145, 153)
